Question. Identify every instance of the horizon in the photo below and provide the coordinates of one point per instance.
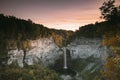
(64, 14)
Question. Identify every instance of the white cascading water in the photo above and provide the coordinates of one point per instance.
(65, 59)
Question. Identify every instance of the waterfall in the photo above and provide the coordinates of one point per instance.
(65, 59)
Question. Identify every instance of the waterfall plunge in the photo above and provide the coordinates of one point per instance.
(65, 59)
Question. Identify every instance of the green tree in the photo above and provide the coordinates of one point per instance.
(109, 11)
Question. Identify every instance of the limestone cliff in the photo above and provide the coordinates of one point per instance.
(45, 50)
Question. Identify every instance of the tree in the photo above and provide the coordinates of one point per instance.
(109, 11)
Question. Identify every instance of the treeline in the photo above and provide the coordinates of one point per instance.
(96, 30)
(90, 30)
(15, 28)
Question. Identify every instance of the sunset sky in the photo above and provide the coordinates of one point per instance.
(59, 14)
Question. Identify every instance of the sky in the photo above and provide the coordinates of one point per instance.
(58, 14)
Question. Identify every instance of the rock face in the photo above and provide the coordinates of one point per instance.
(86, 47)
(43, 50)
(46, 51)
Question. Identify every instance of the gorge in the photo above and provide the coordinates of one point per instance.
(45, 51)
(80, 53)
(59, 40)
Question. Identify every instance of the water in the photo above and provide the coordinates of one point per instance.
(65, 59)
(67, 73)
